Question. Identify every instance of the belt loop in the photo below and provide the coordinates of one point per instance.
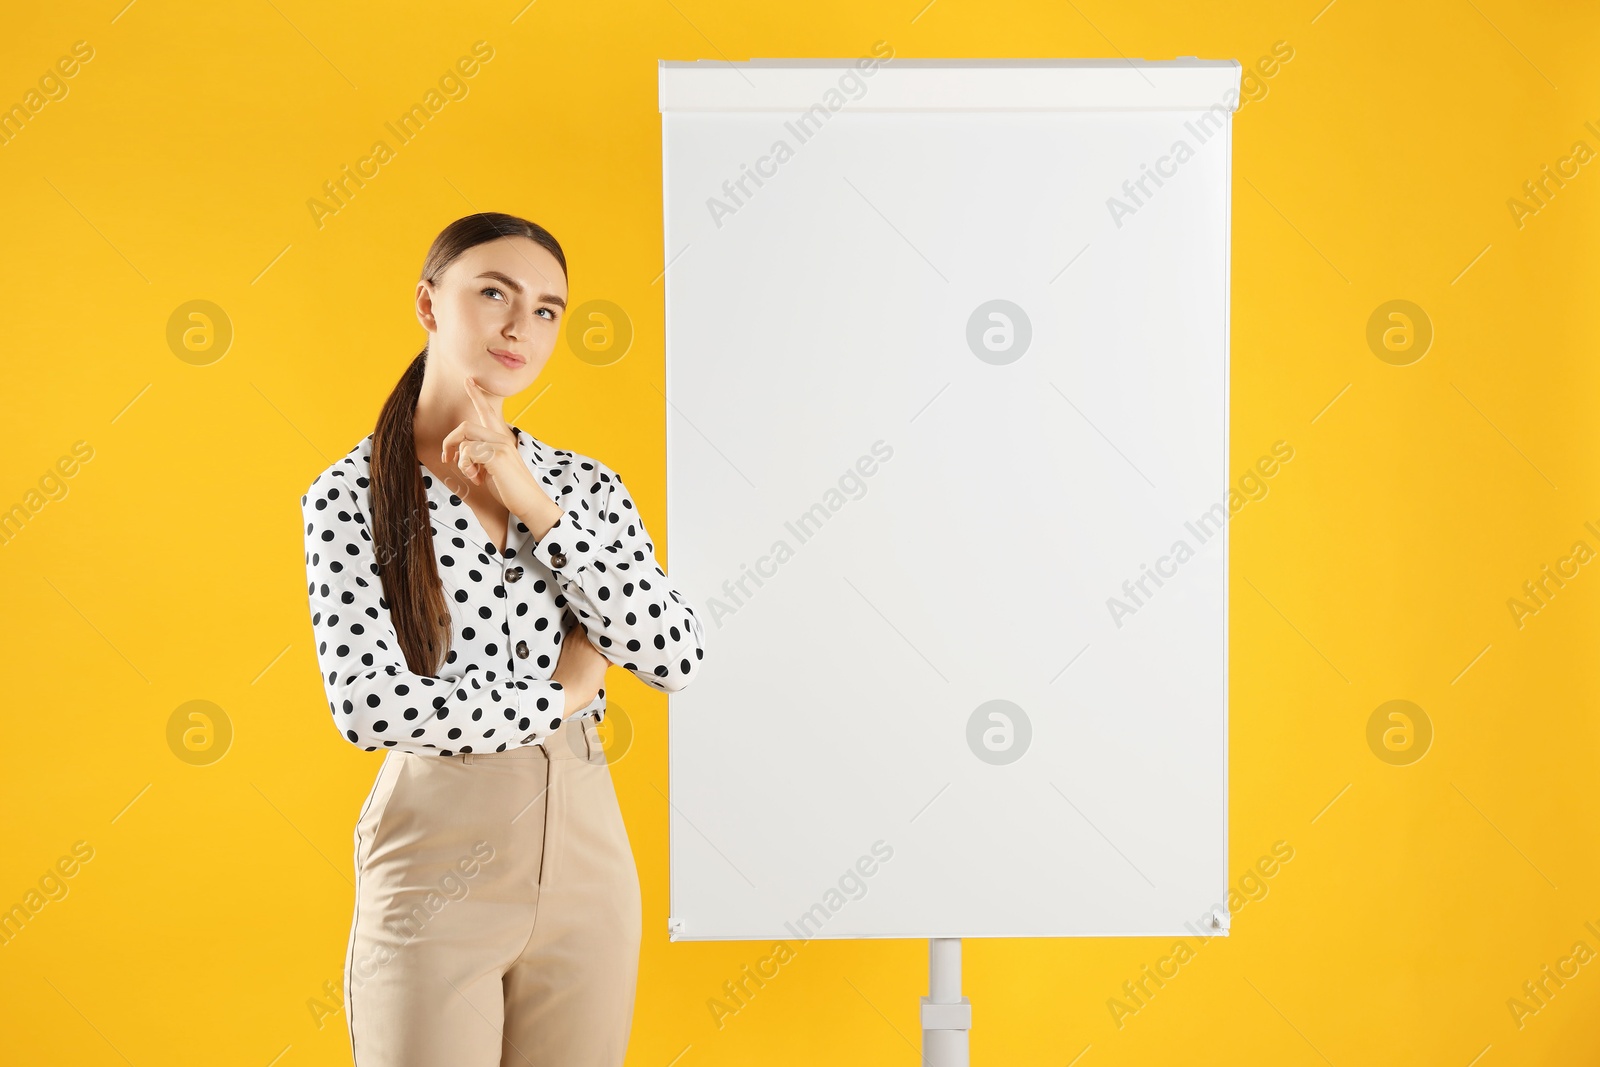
(466, 757)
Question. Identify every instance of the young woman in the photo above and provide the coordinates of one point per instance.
(469, 585)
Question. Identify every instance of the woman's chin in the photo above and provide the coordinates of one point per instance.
(500, 380)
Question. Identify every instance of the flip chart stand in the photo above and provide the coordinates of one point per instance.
(946, 1014)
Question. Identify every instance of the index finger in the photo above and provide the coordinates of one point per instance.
(488, 413)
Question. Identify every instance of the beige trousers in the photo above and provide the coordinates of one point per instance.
(497, 913)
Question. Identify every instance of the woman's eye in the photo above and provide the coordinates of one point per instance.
(492, 289)
(552, 313)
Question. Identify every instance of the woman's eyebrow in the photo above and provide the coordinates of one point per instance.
(516, 287)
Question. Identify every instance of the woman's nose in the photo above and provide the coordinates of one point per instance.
(521, 326)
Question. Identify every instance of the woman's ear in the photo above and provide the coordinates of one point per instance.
(425, 306)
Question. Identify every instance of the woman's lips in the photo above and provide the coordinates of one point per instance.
(507, 359)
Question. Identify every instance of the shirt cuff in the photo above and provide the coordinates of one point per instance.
(566, 546)
(538, 711)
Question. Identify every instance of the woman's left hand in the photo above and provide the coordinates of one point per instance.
(484, 450)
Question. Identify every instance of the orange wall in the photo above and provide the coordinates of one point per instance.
(207, 904)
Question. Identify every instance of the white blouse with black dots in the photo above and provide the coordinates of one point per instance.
(494, 691)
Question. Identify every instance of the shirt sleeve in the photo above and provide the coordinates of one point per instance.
(376, 699)
(605, 563)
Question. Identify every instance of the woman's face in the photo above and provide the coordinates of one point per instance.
(496, 312)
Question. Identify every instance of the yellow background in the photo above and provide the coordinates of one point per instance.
(169, 567)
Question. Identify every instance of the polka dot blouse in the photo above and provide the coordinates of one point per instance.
(494, 690)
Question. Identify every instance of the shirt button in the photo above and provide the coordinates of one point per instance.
(558, 560)
(522, 650)
(513, 574)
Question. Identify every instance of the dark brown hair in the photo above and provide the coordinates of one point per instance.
(401, 532)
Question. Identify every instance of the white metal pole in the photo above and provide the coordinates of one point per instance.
(946, 1014)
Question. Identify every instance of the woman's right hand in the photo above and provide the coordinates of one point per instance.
(581, 669)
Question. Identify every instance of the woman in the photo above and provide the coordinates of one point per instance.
(469, 586)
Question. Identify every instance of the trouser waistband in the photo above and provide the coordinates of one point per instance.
(578, 738)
